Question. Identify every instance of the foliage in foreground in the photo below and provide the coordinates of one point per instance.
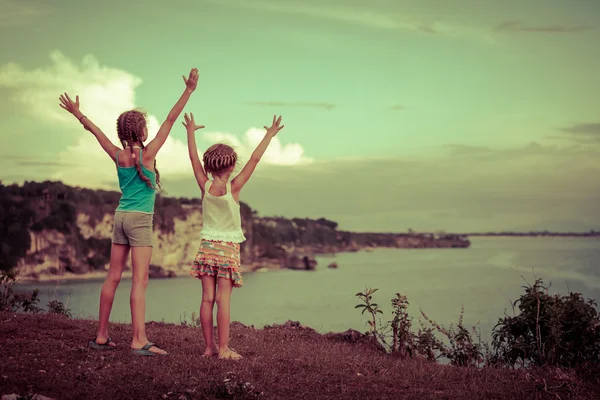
(13, 302)
(549, 329)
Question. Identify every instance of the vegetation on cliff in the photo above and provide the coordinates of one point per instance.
(55, 207)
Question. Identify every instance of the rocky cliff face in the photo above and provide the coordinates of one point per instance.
(68, 231)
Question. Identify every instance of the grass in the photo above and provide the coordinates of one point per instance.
(47, 354)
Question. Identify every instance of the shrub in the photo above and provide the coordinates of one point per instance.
(549, 329)
(461, 349)
(11, 301)
(58, 307)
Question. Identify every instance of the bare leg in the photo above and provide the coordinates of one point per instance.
(223, 318)
(209, 284)
(118, 257)
(140, 259)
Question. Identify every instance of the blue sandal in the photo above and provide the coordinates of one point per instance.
(145, 351)
(96, 346)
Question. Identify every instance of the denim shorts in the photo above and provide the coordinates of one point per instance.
(133, 228)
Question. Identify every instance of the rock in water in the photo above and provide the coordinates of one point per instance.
(156, 272)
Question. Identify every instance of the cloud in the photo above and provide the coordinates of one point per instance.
(104, 93)
(324, 105)
(588, 134)
(276, 154)
(585, 129)
(518, 26)
(19, 12)
(373, 15)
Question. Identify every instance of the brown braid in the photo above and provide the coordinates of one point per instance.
(130, 126)
(219, 158)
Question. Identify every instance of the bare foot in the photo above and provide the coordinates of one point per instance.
(229, 354)
(137, 346)
(210, 352)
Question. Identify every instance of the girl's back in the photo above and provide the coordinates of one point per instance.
(221, 214)
(137, 195)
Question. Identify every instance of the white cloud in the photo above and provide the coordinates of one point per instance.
(104, 93)
(276, 154)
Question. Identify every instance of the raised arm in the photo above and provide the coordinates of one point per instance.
(191, 128)
(239, 181)
(73, 107)
(154, 146)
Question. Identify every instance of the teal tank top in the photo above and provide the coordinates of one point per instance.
(137, 195)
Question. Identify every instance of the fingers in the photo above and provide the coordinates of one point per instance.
(68, 98)
(281, 127)
(274, 116)
(279, 120)
(192, 114)
(63, 106)
(200, 127)
(266, 127)
(184, 80)
(77, 99)
(186, 118)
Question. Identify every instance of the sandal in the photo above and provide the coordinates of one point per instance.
(96, 346)
(145, 351)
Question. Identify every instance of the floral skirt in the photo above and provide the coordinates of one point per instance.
(218, 259)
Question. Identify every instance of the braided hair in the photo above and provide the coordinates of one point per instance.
(130, 128)
(219, 158)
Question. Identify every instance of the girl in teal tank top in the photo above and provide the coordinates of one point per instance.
(137, 196)
(139, 181)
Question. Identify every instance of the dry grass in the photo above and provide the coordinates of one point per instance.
(47, 354)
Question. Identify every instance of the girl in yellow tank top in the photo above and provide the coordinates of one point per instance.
(217, 263)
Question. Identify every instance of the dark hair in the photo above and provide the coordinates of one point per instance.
(130, 128)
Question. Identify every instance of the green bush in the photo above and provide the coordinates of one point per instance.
(548, 330)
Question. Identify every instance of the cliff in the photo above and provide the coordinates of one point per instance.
(50, 229)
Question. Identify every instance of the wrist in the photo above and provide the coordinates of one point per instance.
(188, 90)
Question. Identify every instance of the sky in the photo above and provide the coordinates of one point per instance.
(462, 116)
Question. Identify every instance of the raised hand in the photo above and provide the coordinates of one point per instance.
(68, 104)
(275, 127)
(190, 124)
(192, 81)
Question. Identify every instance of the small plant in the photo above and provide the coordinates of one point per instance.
(7, 296)
(58, 307)
(402, 337)
(462, 351)
(427, 345)
(195, 319)
(30, 303)
(372, 308)
(11, 301)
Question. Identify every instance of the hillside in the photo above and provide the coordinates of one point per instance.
(281, 362)
(51, 229)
